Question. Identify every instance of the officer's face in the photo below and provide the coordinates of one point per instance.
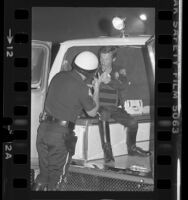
(106, 60)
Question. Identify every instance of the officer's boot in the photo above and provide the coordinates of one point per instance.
(61, 186)
(104, 131)
(55, 186)
(133, 150)
(39, 187)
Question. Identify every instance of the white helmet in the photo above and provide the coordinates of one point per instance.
(87, 61)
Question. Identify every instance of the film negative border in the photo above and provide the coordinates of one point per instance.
(163, 102)
(16, 167)
(16, 110)
(168, 107)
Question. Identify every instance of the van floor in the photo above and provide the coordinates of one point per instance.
(85, 176)
(121, 162)
(125, 161)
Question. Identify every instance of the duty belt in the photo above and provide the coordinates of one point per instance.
(48, 118)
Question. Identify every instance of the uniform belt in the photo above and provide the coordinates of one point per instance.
(66, 124)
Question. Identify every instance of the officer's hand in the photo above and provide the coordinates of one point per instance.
(96, 83)
(105, 77)
(108, 70)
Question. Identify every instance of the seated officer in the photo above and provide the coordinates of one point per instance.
(111, 104)
(67, 95)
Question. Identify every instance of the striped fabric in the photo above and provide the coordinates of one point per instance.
(107, 96)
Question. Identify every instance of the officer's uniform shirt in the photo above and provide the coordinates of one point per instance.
(110, 94)
(67, 95)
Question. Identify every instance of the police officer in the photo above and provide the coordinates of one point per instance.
(67, 96)
(111, 103)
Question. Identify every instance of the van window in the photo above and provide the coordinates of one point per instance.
(38, 63)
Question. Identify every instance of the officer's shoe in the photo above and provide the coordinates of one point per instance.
(54, 187)
(137, 151)
(59, 186)
(39, 187)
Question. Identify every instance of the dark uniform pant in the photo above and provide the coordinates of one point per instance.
(121, 116)
(52, 153)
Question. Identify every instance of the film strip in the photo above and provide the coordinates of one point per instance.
(17, 177)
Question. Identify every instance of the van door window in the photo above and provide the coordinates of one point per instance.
(38, 63)
(151, 50)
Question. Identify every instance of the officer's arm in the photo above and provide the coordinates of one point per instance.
(93, 112)
(90, 102)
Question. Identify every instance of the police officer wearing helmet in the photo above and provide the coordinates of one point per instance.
(68, 94)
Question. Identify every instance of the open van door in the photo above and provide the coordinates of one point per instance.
(149, 59)
(41, 61)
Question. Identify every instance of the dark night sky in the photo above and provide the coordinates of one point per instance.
(60, 24)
